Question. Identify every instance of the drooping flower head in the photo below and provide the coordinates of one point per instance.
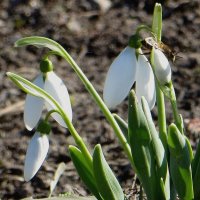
(125, 70)
(53, 85)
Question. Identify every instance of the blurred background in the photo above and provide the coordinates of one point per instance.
(94, 32)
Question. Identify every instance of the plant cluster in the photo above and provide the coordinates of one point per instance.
(162, 159)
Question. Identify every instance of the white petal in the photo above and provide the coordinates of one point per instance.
(120, 78)
(162, 67)
(56, 88)
(35, 155)
(33, 106)
(145, 85)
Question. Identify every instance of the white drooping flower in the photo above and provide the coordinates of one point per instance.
(53, 85)
(123, 72)
(162, 67)
(35, 155)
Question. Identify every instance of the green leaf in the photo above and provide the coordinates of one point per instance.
(196, 172)
(160, 155)
(189, 149)
(122, 124)
(180, 163)
(137, 123)
(141, 147)
(196, 159)
(157, 21)
(105, 179)
(196, 179)
(84, 170)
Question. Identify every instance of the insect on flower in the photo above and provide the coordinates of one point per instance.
(150, 42)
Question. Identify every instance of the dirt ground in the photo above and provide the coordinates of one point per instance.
(93, 32)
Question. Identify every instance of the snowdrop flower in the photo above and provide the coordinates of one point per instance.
(36, 152)
(162, 67)
(123, 72)
(53, 85)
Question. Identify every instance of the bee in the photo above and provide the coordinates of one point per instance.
(150, 42)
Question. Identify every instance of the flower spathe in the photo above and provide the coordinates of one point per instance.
(53, 85)
(35, 155)
(123, 72)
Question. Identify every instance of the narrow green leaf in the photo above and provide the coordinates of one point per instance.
(141, 147)
(157, 21)
(180, 166)
(84, 170)
(160, 155)
(105, 179)
(191, 155)
(122, 124)
(196, 159)
(196, 179)
(137, 123)
(196, 172)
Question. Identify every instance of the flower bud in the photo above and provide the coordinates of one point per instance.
(162, 67)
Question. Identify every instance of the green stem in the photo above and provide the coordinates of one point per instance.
(49, 114)
(157, 30)
(79, 141)
(100, 103)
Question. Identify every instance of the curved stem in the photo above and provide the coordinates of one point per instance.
(79, 141)
(28, 87)
(49, 114)
(100, 103)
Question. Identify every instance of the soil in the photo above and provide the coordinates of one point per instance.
(93, 32)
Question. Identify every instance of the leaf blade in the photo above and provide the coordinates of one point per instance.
(105, 179)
